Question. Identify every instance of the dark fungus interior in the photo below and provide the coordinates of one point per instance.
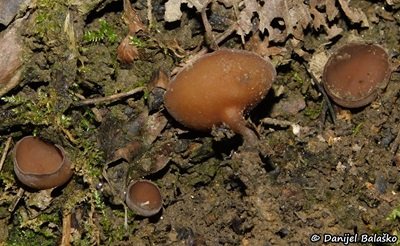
(354, 74)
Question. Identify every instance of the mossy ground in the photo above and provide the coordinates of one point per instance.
(331, 178)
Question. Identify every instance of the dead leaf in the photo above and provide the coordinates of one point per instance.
(128, 152)
(173, 8)
(354, 14)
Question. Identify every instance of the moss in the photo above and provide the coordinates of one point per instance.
(313, 112)
(394, 215)
(39, 109)
(357, 129)
(88, 159)
(42, 230)
(50, 16)
(7, 175)
(202, 174)
(105, 33)
(22, 237)
(138, 42)
(113, 232)
(297, 78)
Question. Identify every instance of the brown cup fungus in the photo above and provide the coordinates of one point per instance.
(40, 165)
(354, 74)
(218, 88)
(144, 198)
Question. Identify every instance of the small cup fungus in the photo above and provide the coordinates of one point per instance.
(354, 74)
(40, 165)
(217, 88)
(144, 198)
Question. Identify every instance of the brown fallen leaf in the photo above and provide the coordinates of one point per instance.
(354, 14)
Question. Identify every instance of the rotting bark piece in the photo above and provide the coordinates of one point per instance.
(10, 59)
(9, 9)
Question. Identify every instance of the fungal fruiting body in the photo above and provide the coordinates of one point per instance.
(144, 198)
(218, 88)
(40, 165)
(354, 74)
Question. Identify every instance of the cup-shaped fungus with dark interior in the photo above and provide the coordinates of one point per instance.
(218, 88)
(354, 74)
(39, 164)
(144, 198)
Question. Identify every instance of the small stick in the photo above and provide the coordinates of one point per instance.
(125, 217)
(66, 230)
(282, 123)
(69, 135)
(324, 95)
(296, 128)
(226, 34)
(204, 50)
(149, 13)
(396, 142)
(208, 28)
(109, 99)
(18, 197)
(5, 151)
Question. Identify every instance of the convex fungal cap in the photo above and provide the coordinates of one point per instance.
(218, 88)
(40, 165)
(144, 198)
(354, 74)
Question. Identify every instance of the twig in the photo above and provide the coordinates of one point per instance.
(95, 111)
(18, 197)
(324, 95)
(69, 135)
(149, 13)
(204, 50)
(5, 151)
(210, 39)
(282, 123)
(109, 99)
(125, 217)
(396, 142)
(66, 230)
(228, 32)
(296, 128)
